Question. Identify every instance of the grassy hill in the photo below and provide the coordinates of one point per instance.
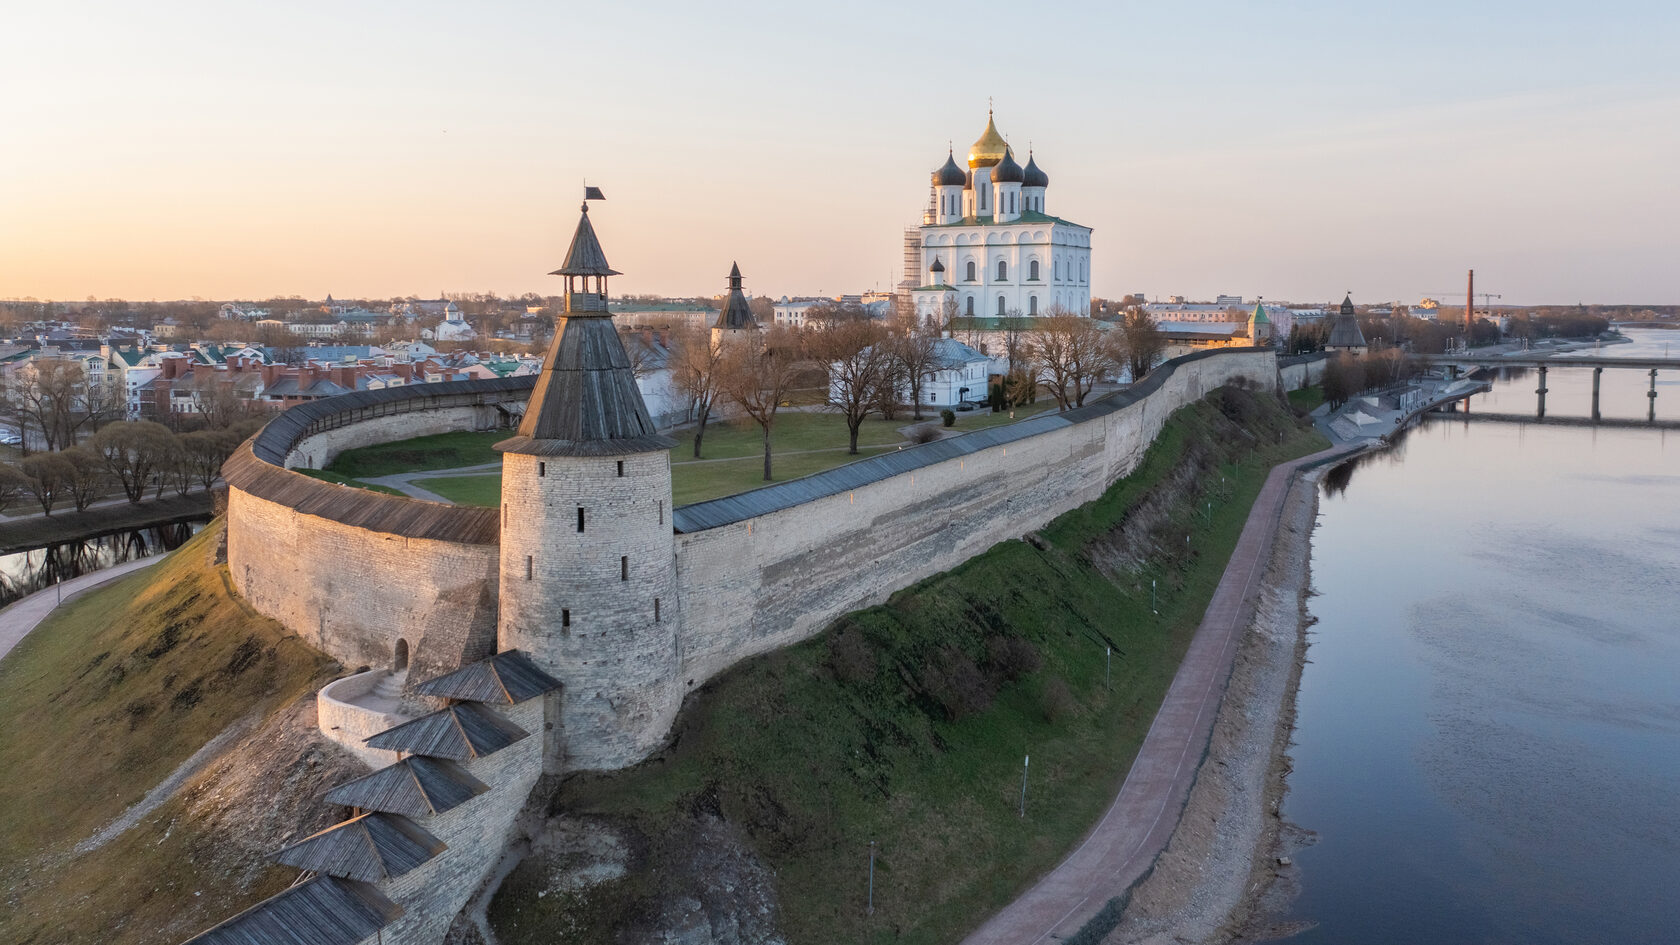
(98, 705)
(907, 723)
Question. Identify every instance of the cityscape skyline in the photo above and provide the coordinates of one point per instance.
(1293, 153)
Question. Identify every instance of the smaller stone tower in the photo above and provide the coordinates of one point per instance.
(588, 558)
(1344, 330)
(1260, 327)
(736, 322)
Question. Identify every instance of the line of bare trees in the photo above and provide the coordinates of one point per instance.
(133, 458)
(881, 367)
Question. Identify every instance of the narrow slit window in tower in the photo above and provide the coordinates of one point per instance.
(542, 469)
(656, 610)
(621, 469)
(661, 511)
(565, 617)
(580, 518)
(624, 567)
(529, 567)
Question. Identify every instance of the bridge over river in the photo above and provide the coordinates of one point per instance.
(1541, 362)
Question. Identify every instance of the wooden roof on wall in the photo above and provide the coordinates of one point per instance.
(458, 732)
(505, 679)
(414, 787)
(319, 911)
(372, 847)
(728, 510)
(258, 466)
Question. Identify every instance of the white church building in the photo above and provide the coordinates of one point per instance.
(987, 246)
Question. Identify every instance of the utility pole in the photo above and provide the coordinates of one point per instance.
(871, 909)
(1025, 759)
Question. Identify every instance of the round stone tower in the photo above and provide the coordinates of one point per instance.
(588, 557)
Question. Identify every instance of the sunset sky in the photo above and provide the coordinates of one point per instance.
(1291, 150)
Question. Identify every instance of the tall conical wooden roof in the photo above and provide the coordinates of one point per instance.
(585, 257)
(586, 402)
(736, 313)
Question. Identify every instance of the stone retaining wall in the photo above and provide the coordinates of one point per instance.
(764, 582)
(340, 719)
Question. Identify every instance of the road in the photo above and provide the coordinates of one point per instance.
(1137, 826)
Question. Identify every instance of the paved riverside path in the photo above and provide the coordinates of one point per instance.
(23, 614)
(1137, 826)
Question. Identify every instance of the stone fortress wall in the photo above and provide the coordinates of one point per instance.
(355, 572)
(756, 582)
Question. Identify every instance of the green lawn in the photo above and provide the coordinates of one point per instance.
(441, 451)
(906, 723)
(733, 458)
(344, 480)
(1307, 398)
(485, 490)
(102, 701)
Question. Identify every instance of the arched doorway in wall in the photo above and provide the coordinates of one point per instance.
(399, 660)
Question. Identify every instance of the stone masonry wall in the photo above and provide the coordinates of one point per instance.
(476, 833)
(760, 584)
(317, 450)
(349, 724)
(353, 593)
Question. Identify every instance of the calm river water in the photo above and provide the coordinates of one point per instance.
(1488, 741)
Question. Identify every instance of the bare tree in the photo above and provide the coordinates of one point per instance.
(1141, 343)
(49, 477)
(86, 479)
(915, 355)
(206, 451)
(860, 360)
(131, 451)
(696, 372)
(13, 485)
(758, 379)
(1070, 355)
(57, 397)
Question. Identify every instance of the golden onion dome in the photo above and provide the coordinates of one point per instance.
(990, 149)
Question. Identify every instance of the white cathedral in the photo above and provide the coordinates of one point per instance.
(986, 246)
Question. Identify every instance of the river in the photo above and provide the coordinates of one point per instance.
(1487, 745)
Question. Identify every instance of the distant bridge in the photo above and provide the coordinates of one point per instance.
(1541, 362)
(1625, 423)
(1560, 359)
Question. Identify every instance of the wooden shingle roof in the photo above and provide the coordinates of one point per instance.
(459, 732)
(414, 787)
(320, 911)
(371, 848)
(586, 402)
(504, 679)
(585, 256)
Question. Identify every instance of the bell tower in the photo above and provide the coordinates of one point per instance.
(588, 556)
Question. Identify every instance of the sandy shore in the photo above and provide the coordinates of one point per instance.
(1225, 869)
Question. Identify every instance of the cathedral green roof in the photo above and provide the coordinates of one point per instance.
(1027, 216)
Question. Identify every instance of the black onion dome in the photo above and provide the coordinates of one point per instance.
(950, 174)
(1032, 176)
(1007, 171)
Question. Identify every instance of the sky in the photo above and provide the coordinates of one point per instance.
(1291, 150)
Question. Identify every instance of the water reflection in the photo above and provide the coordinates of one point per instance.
(1488, 735)
(26, 572)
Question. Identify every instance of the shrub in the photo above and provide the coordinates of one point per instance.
(850, 656)
(1057, 700)
(925, 433)
(1010, 658)
(948, 417)
(953, 682)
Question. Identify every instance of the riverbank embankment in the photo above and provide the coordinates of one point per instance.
(1226, 853)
